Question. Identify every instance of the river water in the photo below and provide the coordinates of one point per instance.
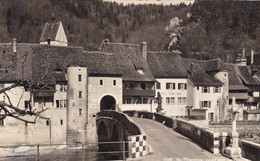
(67, 156)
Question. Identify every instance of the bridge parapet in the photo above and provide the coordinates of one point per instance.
(129, 125)
(116, 126)
(207, 139)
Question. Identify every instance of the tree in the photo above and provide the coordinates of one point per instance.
(27, 115)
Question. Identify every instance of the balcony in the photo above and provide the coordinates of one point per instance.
(139, 92)
(240, 96)
(43, 93)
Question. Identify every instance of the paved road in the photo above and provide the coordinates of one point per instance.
(169, 145)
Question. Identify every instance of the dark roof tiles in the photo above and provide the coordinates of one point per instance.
(198, 73)
(50, 31)
(130, 58)
(166, 65)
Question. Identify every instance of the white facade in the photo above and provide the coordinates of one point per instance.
(208, 99)
(98, 88)
(60, 38)
(52, 130)
(174, 93)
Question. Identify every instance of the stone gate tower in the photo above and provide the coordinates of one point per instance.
(77, 104)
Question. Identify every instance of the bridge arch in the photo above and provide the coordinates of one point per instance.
(102, 132)
(115, 134)
(107, 102)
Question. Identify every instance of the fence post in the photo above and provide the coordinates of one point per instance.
(124, 150)
(83, 152)
(38, 152)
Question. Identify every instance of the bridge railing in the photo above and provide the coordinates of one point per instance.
(167, 121)
(206, 138)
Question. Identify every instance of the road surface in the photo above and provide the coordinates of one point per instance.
(168, 145)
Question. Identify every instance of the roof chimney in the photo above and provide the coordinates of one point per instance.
(144, 50)
(243, 53)
(53, 18)
(191, 70)
(252, 56)
(14, 45)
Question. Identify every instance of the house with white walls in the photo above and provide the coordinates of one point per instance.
(172, 83)
(210, 88)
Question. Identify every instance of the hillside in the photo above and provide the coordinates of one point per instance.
(203, 30)
(86, 23)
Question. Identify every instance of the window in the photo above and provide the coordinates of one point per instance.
(139, 101)
(47, 122)
(127, 101)
(205, 104)
(170, 85)
(61, 103)
(79, 77)
(61, 122)
(182, 86)
(26, 104)
(217, 89)
(114, 82)
(65, 103)
(63, 88)
(143, 86)
(101, 82)
(80, 94)
(1, 121)
(170, 100)
(80, 111)
(167, 100)
(145, 100)
(57, 103)
(158, 85)
(181, 100)
(205, 89)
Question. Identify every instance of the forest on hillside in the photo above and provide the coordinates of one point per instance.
(204, 30)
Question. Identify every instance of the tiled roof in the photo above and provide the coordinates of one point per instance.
(130, 58)
(166, 65)
(103, 63)
(215, 65)
(48, 64)
(198, 75)
(15, 66)
(50, 31)
(245, 74)
(234, 80)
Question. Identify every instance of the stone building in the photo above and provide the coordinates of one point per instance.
(138, 81)
(172, 83)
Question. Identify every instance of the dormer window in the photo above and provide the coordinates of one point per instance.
(140, 71)
(58, 70)
(49, 41)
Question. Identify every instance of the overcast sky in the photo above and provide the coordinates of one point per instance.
(165, 2)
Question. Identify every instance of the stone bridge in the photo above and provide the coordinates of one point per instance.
(114, 127)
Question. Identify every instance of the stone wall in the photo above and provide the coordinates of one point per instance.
(250, 150)
(204, 137)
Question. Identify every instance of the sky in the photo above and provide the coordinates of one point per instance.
(164, 2)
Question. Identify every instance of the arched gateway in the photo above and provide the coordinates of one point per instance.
(107, 103)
